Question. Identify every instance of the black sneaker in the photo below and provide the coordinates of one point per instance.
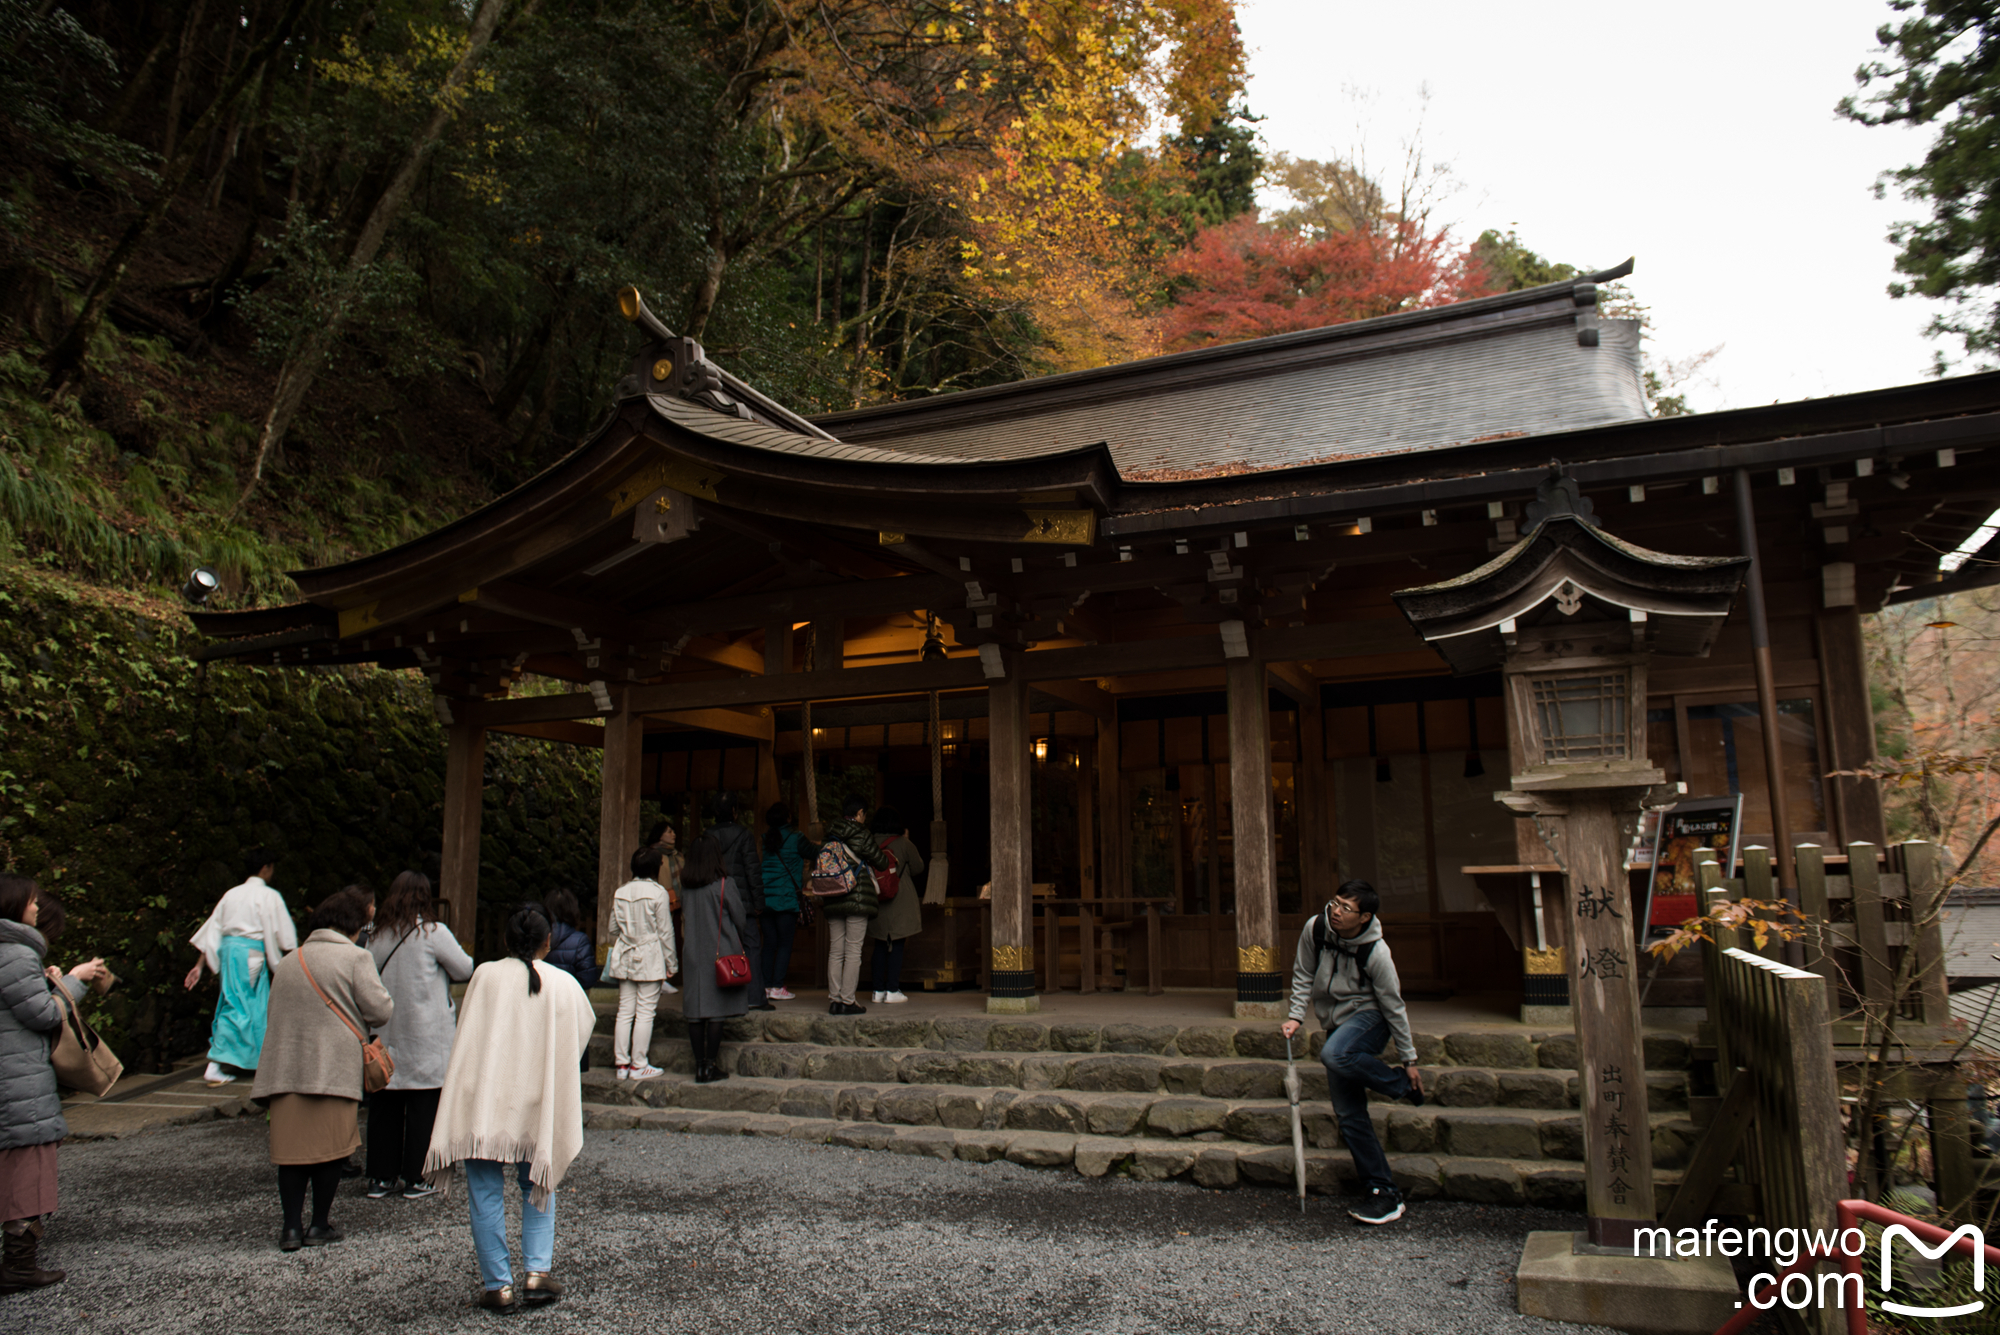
(419, 1190)
(377, 1189)
(1382, 1206)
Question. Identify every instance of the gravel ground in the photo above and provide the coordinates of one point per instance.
(177, 1231)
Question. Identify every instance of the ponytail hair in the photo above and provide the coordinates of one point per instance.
(527, 930)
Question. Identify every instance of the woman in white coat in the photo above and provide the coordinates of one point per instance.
(419, 959)
(512, 1101)
(641, 957)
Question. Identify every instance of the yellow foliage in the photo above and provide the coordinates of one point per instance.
(417, 74)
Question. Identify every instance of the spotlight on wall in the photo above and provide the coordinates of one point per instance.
(1041, 748)
(201, 586)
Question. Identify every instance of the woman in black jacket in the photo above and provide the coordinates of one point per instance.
(569, 945)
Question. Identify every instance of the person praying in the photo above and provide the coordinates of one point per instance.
(242, 941)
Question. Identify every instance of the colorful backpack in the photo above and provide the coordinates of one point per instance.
(834, 872)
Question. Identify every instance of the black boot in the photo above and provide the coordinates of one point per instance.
(714, 1051)
(18, 1267)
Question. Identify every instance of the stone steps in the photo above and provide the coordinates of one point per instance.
(1212, 1164)
(1526, 1135)
(1496, 1047)
(1447, 1086)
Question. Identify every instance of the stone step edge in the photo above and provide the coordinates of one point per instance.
(1495, 1049)
(1551, 1137)
(674, 1054)
(1210, 1164)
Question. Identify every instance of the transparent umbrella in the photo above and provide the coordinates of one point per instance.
(1298, 1126)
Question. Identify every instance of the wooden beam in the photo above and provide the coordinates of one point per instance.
(1714, 1153)
(1085, 695)
(1296, 683)
(557, 730)
(1322, 641)
(464, 798)
(758, 724)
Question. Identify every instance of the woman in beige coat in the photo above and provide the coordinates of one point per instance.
(309, 1072)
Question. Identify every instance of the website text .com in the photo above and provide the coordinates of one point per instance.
(1798, 1288)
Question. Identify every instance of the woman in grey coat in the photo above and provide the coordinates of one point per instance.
(900, 918)
(713, 913)
(419, 960)
(31, 1120)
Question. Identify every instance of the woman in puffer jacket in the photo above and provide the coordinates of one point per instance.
(31, 1120)
(569, 945)
(847, 915)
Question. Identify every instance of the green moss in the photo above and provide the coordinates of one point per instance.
(132, 779)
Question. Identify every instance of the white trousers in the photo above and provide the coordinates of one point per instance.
(633, 1032)
(844, 937)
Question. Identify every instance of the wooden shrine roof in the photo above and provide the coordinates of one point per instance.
(701, 522)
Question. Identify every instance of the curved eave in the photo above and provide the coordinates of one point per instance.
(262, 620)
(1562, 548)
(1088, 470)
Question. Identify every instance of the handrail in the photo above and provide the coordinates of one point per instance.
(1849, 1215)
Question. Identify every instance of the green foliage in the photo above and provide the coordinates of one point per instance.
(134, 778)
(1514, 266)
(1942, 69)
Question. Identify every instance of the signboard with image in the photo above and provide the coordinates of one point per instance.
(1673, 894)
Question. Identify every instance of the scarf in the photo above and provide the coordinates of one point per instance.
(512, 1091)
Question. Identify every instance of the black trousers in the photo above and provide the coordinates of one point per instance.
(399, 1132)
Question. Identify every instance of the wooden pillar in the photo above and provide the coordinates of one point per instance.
(1260, 987)
(1767, 691)
(1317, 878)
(768, 790)
(464, 798)
(1010, 985)
(617, 807)
(1113, 820)
(1850, 724)
(1604, 995)
(778, 648)
(1088, 864)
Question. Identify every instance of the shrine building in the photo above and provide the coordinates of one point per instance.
(1122, 644)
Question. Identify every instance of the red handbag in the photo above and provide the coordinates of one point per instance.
(887, 883)
(730, 970)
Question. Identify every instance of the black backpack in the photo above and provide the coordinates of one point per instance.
(1361, 952)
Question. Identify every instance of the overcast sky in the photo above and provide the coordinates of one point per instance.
(1698, 136)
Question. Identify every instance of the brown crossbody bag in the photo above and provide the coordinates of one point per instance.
(377, 1066)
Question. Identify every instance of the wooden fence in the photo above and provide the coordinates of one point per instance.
(1862, 914)
(1779, 1119)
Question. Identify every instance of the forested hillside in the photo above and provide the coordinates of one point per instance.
(282, 281)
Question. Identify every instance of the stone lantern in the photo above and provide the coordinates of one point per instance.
(1572, 616)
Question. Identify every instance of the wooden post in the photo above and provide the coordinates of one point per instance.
(1810, 861)
(1923, 880)
(1010, 985)
(1114, 821)
(617, 807)
(1086, 829)
(1870, 936)
(768, 790)
(1767, 691)
(1814, 1106)
(1951, 1145)
(1850, 720)
(1604, 994)
(1316, 870)
(1260, 988)
(464, 798)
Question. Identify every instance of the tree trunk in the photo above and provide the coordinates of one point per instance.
(121, 110)
(302, 365)
(860, 367)
(169, 135)
(67, 357)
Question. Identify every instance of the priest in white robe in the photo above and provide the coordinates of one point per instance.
(246, 936)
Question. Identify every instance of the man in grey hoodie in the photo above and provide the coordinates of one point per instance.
(1344, 969)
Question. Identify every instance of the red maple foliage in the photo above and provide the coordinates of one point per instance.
(1245, 279)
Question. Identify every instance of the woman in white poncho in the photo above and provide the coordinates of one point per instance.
(512, 1097)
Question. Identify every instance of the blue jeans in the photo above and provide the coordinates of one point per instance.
(1352, 1069)
(486, 1190)
(781, 927)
